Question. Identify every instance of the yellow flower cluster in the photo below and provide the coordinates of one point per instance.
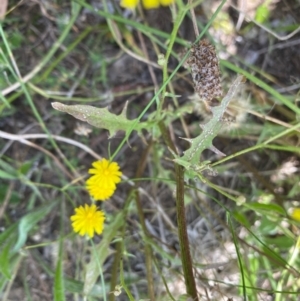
(148, 4)
(101, 185)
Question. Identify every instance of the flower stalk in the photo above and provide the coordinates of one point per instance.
(186, 258)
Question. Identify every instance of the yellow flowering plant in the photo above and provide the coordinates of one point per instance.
(88, 220)
(101, 185)
(229, 218)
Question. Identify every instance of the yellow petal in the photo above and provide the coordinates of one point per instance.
(130, 4)
(296, 214)
(150, 4)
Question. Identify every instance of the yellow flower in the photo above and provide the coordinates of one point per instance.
(148, 4)
(295, 215)
(105, 175)
(88, 220)
(130, 4)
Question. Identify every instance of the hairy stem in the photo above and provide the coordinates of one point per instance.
(186, 259)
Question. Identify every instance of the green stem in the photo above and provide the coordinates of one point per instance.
(122, 280)
(186, 259)
(259, 146)
(179, 171)
(181, 14)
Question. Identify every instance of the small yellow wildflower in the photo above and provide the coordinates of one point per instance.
(148, 4)
(88, 220)
(295, 215)
(105, 175)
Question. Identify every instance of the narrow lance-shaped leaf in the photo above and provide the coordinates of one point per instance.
(28, 221)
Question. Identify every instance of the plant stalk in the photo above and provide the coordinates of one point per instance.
(186, 258)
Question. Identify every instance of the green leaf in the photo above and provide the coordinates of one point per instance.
(5, 260)
(102, 118)
(273, 256)
(7, 239)
(267, 226)
(281, 242)
(7, 171)
(241, 218)
(59, 287)
(29, 221)
(25, 167)
(8, 176)
(266, 208)
(14, 198)
(262, 13)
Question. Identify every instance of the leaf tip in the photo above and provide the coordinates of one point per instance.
(56, 105)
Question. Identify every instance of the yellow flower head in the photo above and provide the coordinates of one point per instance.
(105, 175)
(295, 215)
(148, 4)
(88, 220)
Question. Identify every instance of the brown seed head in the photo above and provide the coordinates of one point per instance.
(205, 70)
